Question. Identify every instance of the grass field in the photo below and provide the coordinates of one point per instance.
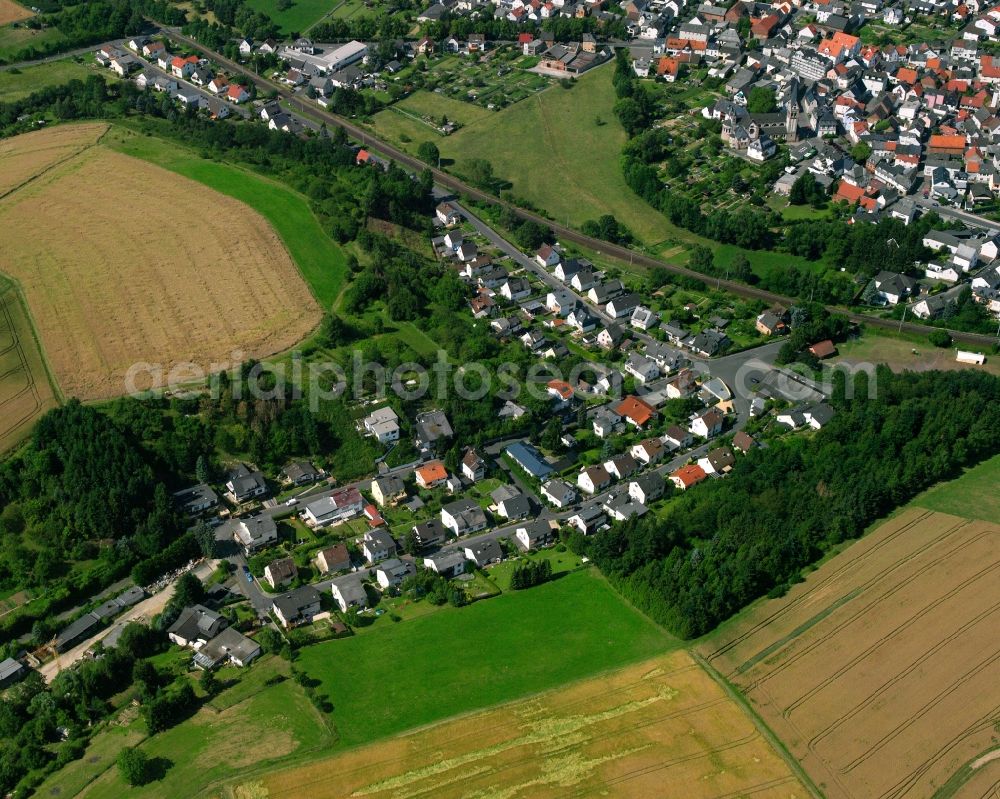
(906, 352)
(13, 12)
(462, 659)
(551, 149)
(975, 495)
(881, 672)
(15, 40)
(297, 18)
(143, 270)
(275, 723)
(15, 85)
(661, 727)
(320, 260)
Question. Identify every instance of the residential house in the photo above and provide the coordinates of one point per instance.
(229, 646)
(611, 337)
(534, 535)
(447, 214)
(242, 484)
(297, 606)
(344, 503)
(635, 411)
(593, 479)
(891, 287)
(447, 564)
(687, 476)
(388, 490)
(255, 533)
(431, 533)
(333, 559)
(547, 256)
(677, 437)
(300, 473)
(769, 324)
(431, 426)
(377, 545)
(529, 458)
(383, 424)
(484, 553)
(707, 424)
(718, 461)
(196, 499)
(473, 467)
(622, 306)
(280, 571)
(649, 451)
(588, 519)
(743, 442)
(195, 626)
(558, 493)
(646, 488)
(431, 474)
(463, 516)
(643, 369)
(392, 572)
(510, 503)
(349, 595)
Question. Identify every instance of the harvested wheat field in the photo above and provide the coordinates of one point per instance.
(881, 672)
(658, 728)
(30, 155)
(25, 390)
(123, 262)
(12, 12)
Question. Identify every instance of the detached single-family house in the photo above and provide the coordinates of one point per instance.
(431, 474)
(377, 545)
(718, 461)
(349, 595)
(195, 626)
(646, 488)
(558, 493)
(447, 564)
(333, 559)
(297, 606)
(243, 484)
(473, 467)
(484, 553)
(392, 572)
(279, 572)
(593, 479)
(687, 476)
(588, 519)
(707, 424)
(533, 535)
(388, 490)
(255, 533)
(463, 516)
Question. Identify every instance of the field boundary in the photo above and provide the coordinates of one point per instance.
(10, 291)
(734, 694)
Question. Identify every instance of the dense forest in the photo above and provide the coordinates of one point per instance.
(731, 541)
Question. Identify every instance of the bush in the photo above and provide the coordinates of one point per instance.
(133, 765)
(940, 338)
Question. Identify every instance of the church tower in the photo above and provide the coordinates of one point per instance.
(792, 114)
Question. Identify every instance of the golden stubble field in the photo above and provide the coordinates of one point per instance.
(123, 262)
(658, 728)
(12, 12)
(881, 673)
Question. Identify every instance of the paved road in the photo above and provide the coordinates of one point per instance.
(562, 231)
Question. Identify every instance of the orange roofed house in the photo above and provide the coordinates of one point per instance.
(946, 144)
(687, 476)
(431, 474)
(635, 411)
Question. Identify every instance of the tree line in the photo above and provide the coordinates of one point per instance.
(729, 542)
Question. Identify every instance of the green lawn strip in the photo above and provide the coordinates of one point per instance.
(17, 84)
(562, 563)
(965, 773)
(318, 257)
(973, 495)
(760, 724)
(462, 659)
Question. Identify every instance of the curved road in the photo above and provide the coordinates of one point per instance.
(562, 231)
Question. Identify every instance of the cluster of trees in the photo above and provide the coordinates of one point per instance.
(811, 323)
(434, 587)
(530, 573)
(33, 714)
(366, 28)
(609, 229)
(94, 21)
(503, 30)
(731, 541)
(82, 489)
(806, 191)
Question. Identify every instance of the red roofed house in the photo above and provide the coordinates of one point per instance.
(237, 94)
(363, 157)
(763, 28)
(183, 67)
(848, 193)
(635, 411)
(989, 69)
(687, 476)
(668, 68)
(945, 144)
(906, 75)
